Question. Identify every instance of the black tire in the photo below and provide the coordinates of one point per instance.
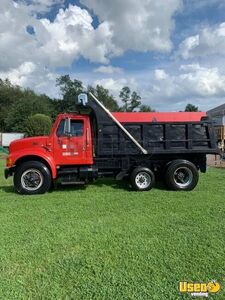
(142, 179)
(181, 175)
(31, 178)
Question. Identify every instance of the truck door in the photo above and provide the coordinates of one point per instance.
(72, 142)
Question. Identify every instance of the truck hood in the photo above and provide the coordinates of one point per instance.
(21, 144)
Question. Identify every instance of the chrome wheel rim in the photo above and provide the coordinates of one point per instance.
(32, 180)
(183, 177)
(143, 180)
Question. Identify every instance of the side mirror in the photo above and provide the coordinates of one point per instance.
(83, 99)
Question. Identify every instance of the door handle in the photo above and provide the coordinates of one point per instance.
(59, 141)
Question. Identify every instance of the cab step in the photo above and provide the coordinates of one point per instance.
(73, 182)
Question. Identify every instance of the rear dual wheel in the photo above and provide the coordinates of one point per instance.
(181, 175)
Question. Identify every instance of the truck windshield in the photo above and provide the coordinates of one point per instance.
(76, 128)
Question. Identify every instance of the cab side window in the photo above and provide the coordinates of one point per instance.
(76, 128)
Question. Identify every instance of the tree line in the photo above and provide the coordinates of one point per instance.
(22, 110)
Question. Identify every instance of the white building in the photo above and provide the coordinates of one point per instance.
(7, 138)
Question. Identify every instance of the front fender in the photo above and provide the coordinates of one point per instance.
(14, 157)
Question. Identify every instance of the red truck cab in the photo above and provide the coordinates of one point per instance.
(69, 144)
(72, 140)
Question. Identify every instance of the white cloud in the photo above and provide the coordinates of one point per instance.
(53, 44)
(123, 25)
(202, 81)
(200, 85)
(108, 70)
(19, 76)
(72, 35)
(193, 5)
(114, 85)
(41, 6)
(16, 46)
(29, 75)
(141, 26)
(209, 41)
(160, 74)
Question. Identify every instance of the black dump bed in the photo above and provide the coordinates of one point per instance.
(155, 137)
(158, 138)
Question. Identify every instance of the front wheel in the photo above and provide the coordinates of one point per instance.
(32, 177)
(182, 175)
(142, 179)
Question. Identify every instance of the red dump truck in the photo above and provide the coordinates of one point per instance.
(92, 143)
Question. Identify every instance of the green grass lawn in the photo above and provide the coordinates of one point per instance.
(106, 242)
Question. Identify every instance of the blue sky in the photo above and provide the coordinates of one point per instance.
(170, 51)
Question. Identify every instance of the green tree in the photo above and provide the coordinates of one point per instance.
(135, 101)
(125, 97)
(190, 107)
(146, 108)
(18, 104)
(70, 90)
(131, 100)
(9, 94)
(103, 96)
(26, 106)
(38, 124)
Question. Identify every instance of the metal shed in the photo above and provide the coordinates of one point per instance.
(218, 116)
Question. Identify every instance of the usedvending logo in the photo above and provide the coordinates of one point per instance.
(199, 289)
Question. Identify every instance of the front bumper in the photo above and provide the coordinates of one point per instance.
(8, 172)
